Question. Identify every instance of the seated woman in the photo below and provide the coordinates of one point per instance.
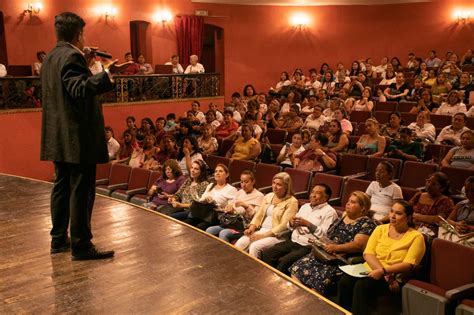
(425, 103)
(427, 206)
(463, 155)
(290, 149)
(365, 103)
(192, 189)
(148, 127)
(341, 116)
(389, 78)
(371, 143)
(316, 120)
(405, 148)
(440, 88)
(188, 153)
(207, 143)
(462, 217)
(383, 192)
(165, 186)
(349, 236)
(452, 106)
(126, 147)
(149, 150)
(423, 129)
(219, 193)
(282, 84)
(338, 140)
(251, 120)
(270, 223)
(246, 147)
(246, 201)
(228, 127)
(168, 150)
(393, 249)
(291, 122)
(317, 158)
(391, 130)
(431, 79)
(399, 90)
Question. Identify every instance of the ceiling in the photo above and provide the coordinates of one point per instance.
(309, 2)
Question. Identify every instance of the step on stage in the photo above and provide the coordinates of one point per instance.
(160, 266)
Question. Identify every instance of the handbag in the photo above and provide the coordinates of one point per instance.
(232, 221)
(320, 254)
(204, 211)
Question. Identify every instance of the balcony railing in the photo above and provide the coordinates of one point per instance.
(25, 92)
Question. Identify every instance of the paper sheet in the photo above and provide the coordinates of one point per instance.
(359, 270)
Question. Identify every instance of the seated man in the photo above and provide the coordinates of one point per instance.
(452, 134)
(195, 66)
(40, 55)
(311, 221)
(113, 146)
(177, 67)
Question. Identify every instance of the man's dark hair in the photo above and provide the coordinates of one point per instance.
(327, 189)
(171, 116)
(68, 25)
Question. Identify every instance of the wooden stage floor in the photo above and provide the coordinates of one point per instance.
(160, 266)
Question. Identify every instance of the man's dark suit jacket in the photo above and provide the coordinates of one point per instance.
(73, 123)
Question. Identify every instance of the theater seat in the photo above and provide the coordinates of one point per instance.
(213, 160)
(465, 308)
(137, 184)
(301, 182)
(351, 185)
(236, 168)
(140, 199)
(119, 175)
(451, 279)
(276, 136)
(374, 161)
(457, 176)
(333, 181)
(264, 175)
(102, 173)
(414, 174)
(351, 164)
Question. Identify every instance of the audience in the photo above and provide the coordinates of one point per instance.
(177, 68)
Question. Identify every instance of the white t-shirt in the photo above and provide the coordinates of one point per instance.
(220, 196)
(3, 70)
(113, 146)
(446, 109)
(198, 68)
(178, 69)
(287, 160)
(382, 198)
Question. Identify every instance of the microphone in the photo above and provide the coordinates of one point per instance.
(89, 50)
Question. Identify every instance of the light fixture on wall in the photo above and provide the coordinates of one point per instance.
(109, 12)
(462, 15)
(299, 20)
(163, 16)
(32, 9)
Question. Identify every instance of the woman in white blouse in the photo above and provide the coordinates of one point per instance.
(245, 204)
(452, 106)
(219, 193)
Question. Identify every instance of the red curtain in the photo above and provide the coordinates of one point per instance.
(189, 30)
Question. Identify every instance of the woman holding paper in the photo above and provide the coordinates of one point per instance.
(393, 249)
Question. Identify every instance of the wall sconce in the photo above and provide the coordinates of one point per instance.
(162, 16)
(109, 12)
(299, 20)
(32, 9)
(462, 15)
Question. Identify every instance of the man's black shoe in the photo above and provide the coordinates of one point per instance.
(64, 247)
(91, 254)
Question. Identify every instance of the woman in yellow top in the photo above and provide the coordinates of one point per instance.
(271, 220)
(392, 249)
(246, 147)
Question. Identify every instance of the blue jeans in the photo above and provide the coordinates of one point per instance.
(227, 235)
(181, 215)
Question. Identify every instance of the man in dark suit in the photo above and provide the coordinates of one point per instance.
(73, 136)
